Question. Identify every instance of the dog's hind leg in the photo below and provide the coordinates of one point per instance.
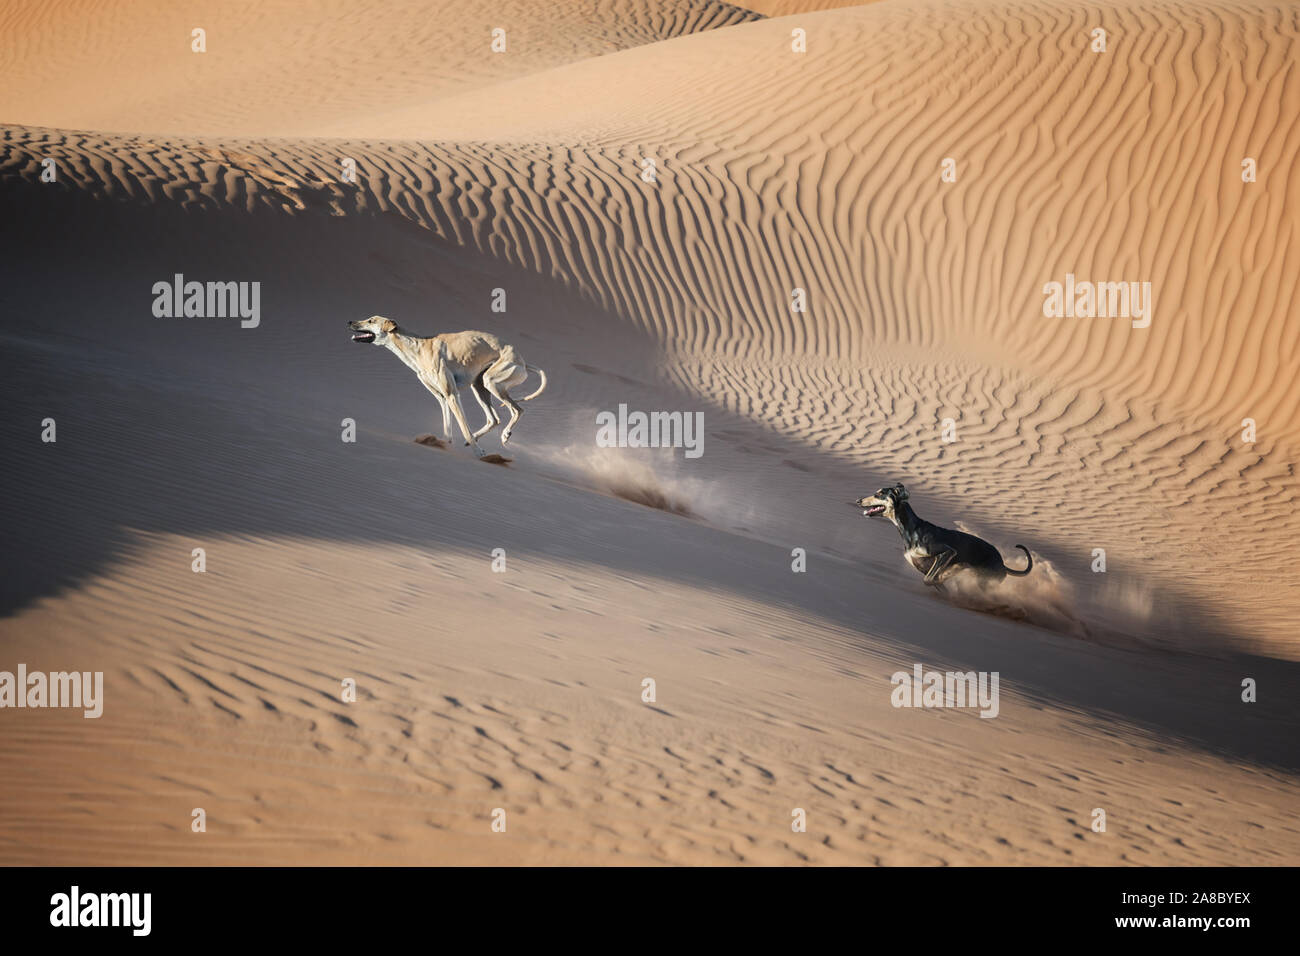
(497, 381)
(485, 402)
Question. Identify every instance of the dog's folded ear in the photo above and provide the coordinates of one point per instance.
(900, 492)
(388, 325)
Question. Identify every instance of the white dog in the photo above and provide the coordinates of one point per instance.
(447, 363)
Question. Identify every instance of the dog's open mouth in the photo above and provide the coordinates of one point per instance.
(363, 336)
(873, 511)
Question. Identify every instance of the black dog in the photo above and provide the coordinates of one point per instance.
(936, 552)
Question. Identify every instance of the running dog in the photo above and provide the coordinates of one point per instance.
(447, 363)
(938, 553)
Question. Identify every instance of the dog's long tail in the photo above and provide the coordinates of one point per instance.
(541, 388)
(1020, 574)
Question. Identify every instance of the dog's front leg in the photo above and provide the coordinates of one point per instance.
(453, 400)
(442, 403)
(941, 563)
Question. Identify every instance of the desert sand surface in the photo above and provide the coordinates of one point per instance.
(285, 67)
(522, 690)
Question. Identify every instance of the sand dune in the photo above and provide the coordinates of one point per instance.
(282, 68)
(924, 307)
(775, 171)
